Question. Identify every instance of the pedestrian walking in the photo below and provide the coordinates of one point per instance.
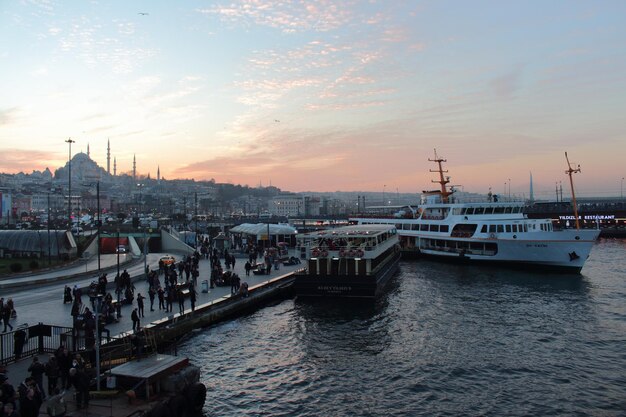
(181, 302)
(161, 295)
(151, 295)
(171, 293)
(192, 297)
(6, 316)
(134, 316)
(140, 299)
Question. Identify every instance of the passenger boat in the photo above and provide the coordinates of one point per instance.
(350, 261)
(488, 232)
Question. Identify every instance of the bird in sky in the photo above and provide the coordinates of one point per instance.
(276, 120)
(143, 13)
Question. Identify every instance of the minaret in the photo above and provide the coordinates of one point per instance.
(108, 156)
(134, 168)
(114, 166)
(532, 196)
(159, 174)
(87, 149)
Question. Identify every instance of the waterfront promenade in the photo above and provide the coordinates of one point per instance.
(39, 298)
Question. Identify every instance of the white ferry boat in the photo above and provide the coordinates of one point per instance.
(488, 232)
(349, 261)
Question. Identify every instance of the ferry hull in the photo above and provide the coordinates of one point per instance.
(567, 256)
(309, 285)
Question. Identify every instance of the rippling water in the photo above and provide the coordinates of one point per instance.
(443, 340)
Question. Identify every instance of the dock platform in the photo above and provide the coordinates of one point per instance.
(150, 369)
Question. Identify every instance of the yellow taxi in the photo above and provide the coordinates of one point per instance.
(167, 260)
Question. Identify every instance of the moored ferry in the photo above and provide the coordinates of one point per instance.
(488, 232)
(351, 261)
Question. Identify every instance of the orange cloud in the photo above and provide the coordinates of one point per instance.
(20, 160)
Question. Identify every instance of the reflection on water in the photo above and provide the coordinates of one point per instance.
(442, 340)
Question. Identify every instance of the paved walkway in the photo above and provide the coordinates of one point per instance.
(37, 303)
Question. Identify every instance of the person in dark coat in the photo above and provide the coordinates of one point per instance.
(52, 372)
(181, 301)
(140, 299)
(161, 295)
(192, 297)
(7, 392)
(67, 295)
(134, 316)
(6, 316)
(151, 295)
(37, 369)
(65, 364)
(80, 380)
(30, 398)
(19, 338)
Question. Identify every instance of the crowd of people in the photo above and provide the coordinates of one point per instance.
(171, 283)
(63, 372)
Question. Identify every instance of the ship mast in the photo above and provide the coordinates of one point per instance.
(569, 172)
(442, 180)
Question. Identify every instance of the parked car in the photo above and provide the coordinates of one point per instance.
(122, 249)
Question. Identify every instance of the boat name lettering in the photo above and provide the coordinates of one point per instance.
(334, 288)
(536, 245)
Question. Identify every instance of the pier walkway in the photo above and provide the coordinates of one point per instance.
(39, 298)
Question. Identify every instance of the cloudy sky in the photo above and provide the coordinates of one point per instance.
(320, 95)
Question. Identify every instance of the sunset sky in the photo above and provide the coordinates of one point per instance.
(320, 96)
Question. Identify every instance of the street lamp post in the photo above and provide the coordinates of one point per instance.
(49, 220)
(195, 204)
(69, 141)
(621, 190)
(509, 189)
(97, 302)
(145, 253)
(99, 222)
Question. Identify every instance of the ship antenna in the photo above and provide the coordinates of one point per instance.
(569, 172)
(443, 181)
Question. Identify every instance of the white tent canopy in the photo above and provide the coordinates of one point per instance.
(260, 229)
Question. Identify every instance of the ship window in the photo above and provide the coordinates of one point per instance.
(424, 227)
(479, 210)
(500, 228)
(508, 209)
(525, 228)
(484, 229)
(434, 227)
(492, 228)
(508, 228)
(469, 210)
(415, 227)
(443, 228)
(476, 246)
(488, 210)
(498, 210)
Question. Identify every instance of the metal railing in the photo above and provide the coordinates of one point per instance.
(24, 342)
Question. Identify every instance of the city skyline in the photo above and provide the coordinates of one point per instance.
(320, 96)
